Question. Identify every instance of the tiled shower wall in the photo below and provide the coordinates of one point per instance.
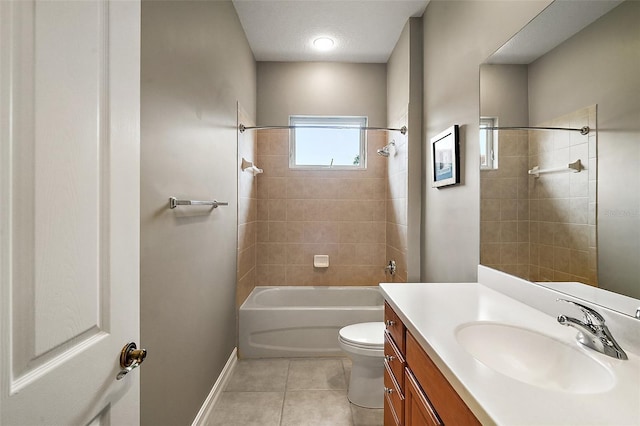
(397, 180)
(302, 213)
(247, 212)
(542, 229)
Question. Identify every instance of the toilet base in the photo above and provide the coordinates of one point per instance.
(366, 386)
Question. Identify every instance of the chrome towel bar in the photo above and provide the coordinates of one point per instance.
(174, 202)
(574, 167)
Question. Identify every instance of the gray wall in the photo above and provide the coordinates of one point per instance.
(398, 77)
(320, 88)
(601, 65)
(504, 94)
(458, 37)
(196, 63)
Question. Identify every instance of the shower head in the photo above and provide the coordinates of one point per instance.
(384, 151)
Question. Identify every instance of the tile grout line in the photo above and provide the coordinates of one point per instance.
(344, 373)
(284, 395)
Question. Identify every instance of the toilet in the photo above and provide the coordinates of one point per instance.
(364, 344)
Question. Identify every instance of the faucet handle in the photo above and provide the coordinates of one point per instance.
(589, 314)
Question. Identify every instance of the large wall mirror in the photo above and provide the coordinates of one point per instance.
(545, 216)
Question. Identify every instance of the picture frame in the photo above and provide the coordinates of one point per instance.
(445, 157)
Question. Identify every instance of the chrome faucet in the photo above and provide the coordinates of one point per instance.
(592, 332)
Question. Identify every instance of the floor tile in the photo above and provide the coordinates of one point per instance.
(346, 363)
(367, 416)
(316, 408)
(320, 374)
(257, 375)
(247, 409)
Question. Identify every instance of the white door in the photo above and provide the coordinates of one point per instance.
(69, 203)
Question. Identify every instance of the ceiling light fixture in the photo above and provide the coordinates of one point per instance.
(323, 43)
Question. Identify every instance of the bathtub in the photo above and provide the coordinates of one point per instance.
(303, 321)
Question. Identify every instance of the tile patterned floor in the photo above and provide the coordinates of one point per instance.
(291, 392)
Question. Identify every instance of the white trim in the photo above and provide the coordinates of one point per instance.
(207, 407)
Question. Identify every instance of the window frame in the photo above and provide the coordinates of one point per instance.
(328, 121)
(491, 142)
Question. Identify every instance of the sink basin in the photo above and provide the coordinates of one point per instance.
(534, 358)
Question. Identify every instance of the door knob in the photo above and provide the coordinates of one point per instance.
(130, 358)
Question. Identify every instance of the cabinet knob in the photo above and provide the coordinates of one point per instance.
(388, 390)
(390, 323)
(389, 358)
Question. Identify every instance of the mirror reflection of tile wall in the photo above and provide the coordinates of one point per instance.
(542, 229)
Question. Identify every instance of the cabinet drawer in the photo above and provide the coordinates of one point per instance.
(394, 326)
(418, 410)
(393, 395)
(450, 407)
(389, 416)
(394, 359)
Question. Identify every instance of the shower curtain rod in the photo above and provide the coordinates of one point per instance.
(242, 128)
(583, 130)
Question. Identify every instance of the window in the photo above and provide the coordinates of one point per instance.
(488, 144)
(327, 142)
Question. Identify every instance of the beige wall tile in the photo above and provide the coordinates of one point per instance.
(490, 253)
(246, 284)
(271, 253)
(490, 232)
(247, 235)
(277, 232)
(270, 275)
(508, 253)
(262, 235)
(246, 260)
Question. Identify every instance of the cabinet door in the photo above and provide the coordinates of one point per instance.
(451, 408)
(417, 408)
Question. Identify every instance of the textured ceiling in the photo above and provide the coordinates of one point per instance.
(363, 30)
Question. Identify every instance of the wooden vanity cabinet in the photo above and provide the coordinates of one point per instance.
(394, 365)
(416, 392)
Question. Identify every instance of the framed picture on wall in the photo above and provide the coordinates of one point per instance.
(446, 157)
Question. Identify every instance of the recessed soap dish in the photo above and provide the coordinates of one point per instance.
(321, 261)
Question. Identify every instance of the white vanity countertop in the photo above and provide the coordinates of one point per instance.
(433, 312)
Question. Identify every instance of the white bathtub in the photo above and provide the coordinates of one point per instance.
(303, 321)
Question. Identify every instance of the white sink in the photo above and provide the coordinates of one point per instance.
(534, 358)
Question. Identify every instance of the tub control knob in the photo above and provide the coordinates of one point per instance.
(390, 323)
(387, 390)
(391, 267)
(389, 358)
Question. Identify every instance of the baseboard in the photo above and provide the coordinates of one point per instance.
(207, 407)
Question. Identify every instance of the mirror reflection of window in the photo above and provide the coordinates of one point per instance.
(488, 144)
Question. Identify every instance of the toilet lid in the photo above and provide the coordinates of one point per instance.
(367, 334)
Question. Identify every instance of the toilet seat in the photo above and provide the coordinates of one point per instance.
(366, 335)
